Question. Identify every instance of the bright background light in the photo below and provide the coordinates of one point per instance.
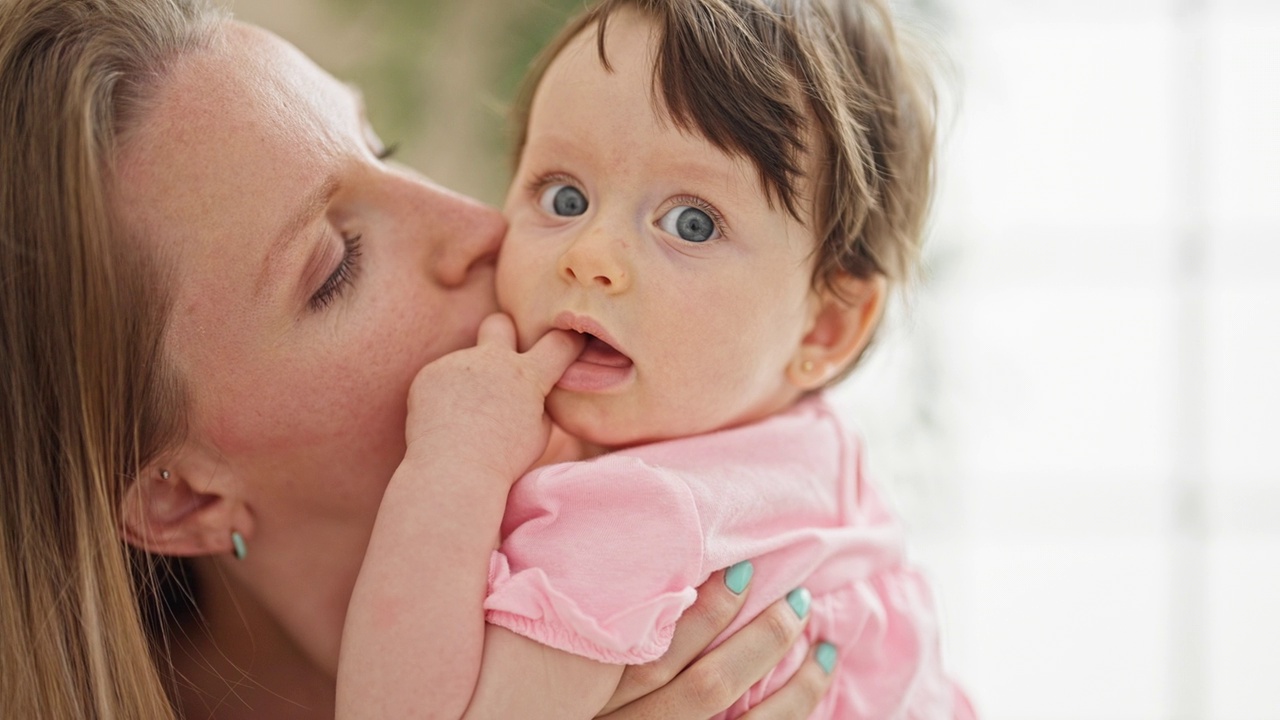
(1090, 372)
(1076, 412)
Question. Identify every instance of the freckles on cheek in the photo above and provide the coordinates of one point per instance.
(303, 409)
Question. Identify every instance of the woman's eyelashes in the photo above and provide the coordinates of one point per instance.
(387, 151)
(341, 277)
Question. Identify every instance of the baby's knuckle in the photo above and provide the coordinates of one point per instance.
(528, 375)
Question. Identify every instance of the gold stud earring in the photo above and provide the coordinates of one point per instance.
(806, 367)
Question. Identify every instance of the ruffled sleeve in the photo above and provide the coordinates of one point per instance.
(598, 559)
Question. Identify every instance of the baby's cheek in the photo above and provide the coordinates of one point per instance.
(516, 294)
(513, 268)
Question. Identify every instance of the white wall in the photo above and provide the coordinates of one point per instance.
(1077, 416)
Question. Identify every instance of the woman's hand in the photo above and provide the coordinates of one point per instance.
(672, 688)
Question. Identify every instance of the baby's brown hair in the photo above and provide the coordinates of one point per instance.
(785, 81)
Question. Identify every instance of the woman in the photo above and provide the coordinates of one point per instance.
(215, 297)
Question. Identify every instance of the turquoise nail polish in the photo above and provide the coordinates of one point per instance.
(737, 576)
(826, 656)
(799, 600)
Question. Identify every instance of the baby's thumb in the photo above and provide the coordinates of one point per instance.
(552, 354)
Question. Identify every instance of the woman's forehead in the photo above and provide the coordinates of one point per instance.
(235, 133)
(237, 138)
(249, 84)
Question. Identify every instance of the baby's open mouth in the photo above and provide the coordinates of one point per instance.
(599, 352)
(600, 367)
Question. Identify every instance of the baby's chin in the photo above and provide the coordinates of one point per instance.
(605, 423)
(599, 427)
(602, 422)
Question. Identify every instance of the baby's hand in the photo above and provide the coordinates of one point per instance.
(484, 405)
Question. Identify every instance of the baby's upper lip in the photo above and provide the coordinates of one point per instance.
(586, 325)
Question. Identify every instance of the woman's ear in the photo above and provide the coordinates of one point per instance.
(183, 505)
(842, 316)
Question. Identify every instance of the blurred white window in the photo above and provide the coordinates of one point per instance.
(1077, 413)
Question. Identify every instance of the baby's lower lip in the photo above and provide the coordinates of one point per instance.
(598, 368)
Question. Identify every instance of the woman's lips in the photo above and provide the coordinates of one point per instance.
(599, 367)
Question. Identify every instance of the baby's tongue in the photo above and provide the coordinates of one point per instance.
(599, 352)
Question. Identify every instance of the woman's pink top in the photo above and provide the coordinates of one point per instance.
(599, 558)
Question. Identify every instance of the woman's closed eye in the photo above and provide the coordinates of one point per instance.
(341, 277)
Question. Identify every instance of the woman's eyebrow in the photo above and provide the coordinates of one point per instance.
(312, 204)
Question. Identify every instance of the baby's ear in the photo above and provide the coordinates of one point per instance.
(182, 505)
(842, 316)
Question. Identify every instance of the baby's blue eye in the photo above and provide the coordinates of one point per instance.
(688, 223)
(563, 200)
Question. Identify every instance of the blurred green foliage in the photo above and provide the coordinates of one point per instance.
(391, 71)
(400, 72)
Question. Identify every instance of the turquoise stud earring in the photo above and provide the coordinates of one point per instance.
(238, 548)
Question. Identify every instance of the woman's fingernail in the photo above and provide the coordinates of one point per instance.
(737, 576)
(826, 656)
(799, 600)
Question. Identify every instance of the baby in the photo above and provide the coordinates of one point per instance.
(717, 195)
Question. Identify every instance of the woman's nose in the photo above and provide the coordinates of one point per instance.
(594, 260)
(468, 234)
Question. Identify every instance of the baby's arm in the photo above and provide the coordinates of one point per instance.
(414, 634)
(522, 678)
(535, 680)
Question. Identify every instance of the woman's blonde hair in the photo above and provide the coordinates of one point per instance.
(88, 398)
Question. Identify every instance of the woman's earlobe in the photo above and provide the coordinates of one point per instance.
(842, 318)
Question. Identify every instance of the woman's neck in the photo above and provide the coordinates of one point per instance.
(233, 661)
